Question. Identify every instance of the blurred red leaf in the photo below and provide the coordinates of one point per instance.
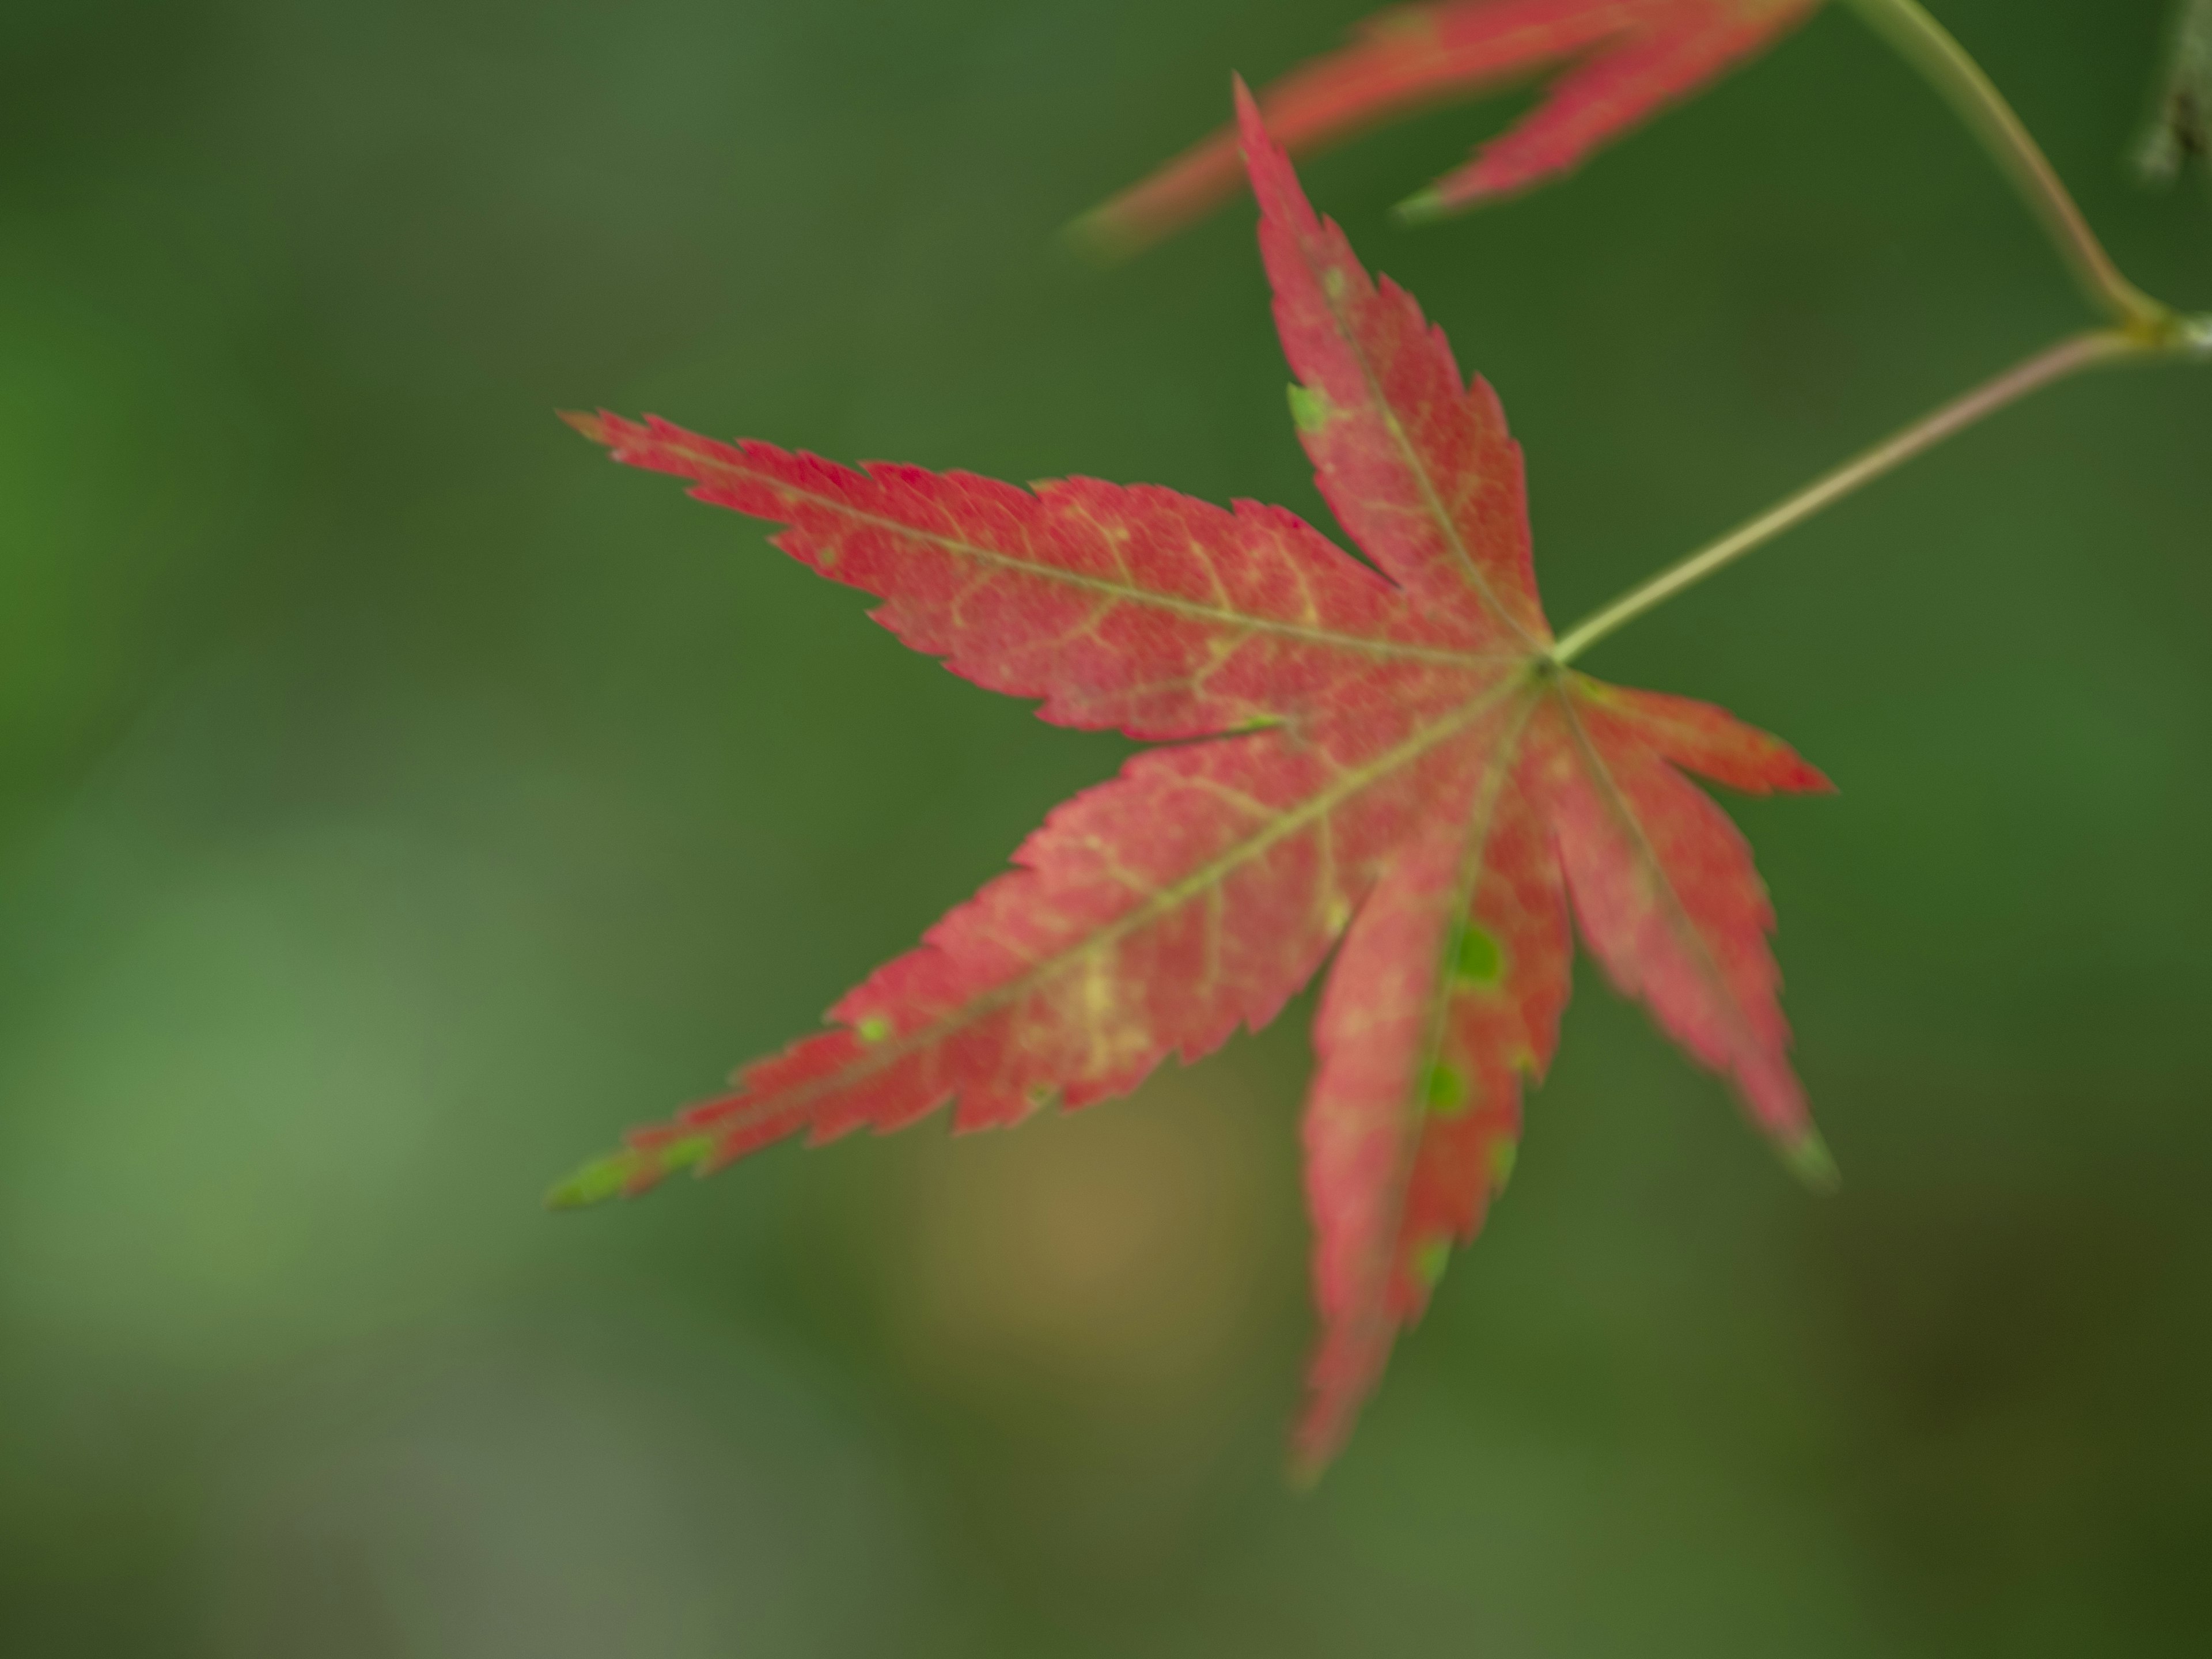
(1626, 60)
(1390, 756)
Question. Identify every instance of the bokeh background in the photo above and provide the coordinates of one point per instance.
(396, 800)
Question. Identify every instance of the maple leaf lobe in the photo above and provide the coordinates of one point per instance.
(1416, 462)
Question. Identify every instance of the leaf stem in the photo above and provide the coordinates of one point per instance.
(2055, 363)
(1930, 48)
(2143, 326)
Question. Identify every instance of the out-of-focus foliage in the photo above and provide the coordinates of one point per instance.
(1617, 62)
(393, 799)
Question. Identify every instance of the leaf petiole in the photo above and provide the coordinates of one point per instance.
(2055, 363)
(1932, 50)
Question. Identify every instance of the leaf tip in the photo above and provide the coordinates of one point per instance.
(1104, 236)
(593, 427)
(1252, 139)
(1304, 1468)
(1812, 1163)
(612, 1176)
(1424, 207)
(1796, 776)
(651, 1156)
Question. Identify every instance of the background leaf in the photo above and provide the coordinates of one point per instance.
(1615, 63)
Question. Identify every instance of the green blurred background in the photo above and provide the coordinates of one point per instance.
(398, 800)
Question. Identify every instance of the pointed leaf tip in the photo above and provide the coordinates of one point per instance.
(1812, 1163)
(1302, 1471)
(593, 427)
(611, 1177)
(1100, 238)
(1253, 138)
(650, 1156)
(1423, 207)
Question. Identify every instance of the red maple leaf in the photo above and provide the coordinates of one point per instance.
(1393, 757)
(1629, 60)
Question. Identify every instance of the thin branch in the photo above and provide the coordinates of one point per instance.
(2067, 357)
(1930, 48)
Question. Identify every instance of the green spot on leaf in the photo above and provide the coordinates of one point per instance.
(873, 1029)
(1476, 957)
(1309, 408)
(1449, 1091)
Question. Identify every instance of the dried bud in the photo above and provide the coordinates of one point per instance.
(2182, 131)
